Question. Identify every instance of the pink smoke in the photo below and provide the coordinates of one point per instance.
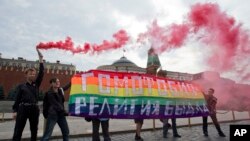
(208, 24)
(120, 39)
(165, 38)
(221, 31)
(67, 45)
(230, 95)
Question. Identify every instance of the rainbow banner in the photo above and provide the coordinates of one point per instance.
(104, 94)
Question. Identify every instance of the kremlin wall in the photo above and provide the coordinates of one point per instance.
(230, 94)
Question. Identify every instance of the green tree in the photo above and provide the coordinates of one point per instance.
(1, 93)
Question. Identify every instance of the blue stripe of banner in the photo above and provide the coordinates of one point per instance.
(136, 112)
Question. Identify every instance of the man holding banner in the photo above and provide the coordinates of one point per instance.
(54, 101)
(211, 104)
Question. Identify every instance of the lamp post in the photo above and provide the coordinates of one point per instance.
(157, 71)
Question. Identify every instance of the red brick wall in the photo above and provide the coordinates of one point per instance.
(9, 78)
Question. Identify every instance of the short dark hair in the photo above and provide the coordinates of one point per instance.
(29, 69)
(53, 80)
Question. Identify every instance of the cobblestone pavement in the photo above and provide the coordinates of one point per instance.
(193, 133)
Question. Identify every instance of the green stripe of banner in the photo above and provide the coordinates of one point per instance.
(111, 99)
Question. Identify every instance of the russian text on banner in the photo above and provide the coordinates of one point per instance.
(104, 94)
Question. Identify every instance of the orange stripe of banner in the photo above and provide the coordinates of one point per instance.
(95, 81)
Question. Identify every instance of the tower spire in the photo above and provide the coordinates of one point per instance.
(153, 61)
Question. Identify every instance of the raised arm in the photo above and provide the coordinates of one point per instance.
(66, 87)
(41, 69)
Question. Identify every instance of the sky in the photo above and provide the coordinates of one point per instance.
(25, 23)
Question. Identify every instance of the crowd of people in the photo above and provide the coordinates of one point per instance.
(26, 108)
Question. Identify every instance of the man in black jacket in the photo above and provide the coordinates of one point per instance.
(54, 99)
(211, 105)
(26, 103)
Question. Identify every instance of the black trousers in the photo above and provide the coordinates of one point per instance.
(215, 122)
(166, 126)
(105, 130)
(26, 112)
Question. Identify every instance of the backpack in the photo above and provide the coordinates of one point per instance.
(45, 105)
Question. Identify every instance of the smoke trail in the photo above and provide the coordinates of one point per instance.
(120, 39)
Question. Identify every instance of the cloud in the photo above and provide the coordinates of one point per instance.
(26, 23)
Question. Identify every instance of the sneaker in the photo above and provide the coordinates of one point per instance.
(222, 134)
(205, 134)
(138, 138)
(177, 136)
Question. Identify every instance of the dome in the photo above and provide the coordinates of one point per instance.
(122, 65)
(123, 61)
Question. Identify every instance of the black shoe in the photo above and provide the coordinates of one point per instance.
(138, 138)
(165, 136)
(206, 134)
(222, 134)
(177, 136)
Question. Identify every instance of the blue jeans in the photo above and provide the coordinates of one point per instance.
(51, 122)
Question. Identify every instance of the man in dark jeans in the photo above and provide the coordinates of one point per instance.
(105, 129)
(54, 103)
(26, 103)
(211, 105)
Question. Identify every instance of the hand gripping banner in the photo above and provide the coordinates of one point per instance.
(104, 94)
